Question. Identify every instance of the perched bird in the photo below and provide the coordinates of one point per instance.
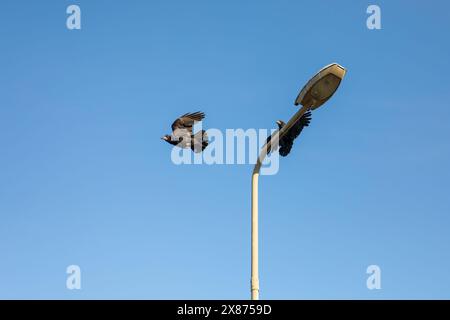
(287, 141)
(182, 133)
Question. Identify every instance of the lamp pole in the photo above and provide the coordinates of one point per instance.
(255, 269)
(313, 95)
(255, 179)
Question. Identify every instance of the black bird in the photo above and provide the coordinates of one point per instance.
(182, 133)
(287, 141)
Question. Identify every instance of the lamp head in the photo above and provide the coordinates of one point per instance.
(321, 87)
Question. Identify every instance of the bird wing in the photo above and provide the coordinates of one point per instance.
(186, 121)
(269, 147)
(285, 147)
(297, 128)
(269, 144)
(287, 140)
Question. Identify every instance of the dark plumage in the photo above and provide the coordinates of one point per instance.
(182, 132)
(287, 141)
(269, 145)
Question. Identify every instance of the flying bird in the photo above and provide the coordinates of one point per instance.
(287, 141)
(182, 133)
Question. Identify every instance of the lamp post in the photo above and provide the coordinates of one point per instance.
(313, 95)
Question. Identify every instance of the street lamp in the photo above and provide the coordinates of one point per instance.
(313, 95)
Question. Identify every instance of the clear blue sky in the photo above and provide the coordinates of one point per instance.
(86, 180)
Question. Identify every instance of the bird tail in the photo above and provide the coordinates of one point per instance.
(200, 141)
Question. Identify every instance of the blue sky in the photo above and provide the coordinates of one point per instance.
(86, 180)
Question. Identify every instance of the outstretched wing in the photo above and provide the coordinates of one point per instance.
(297, 128)
(285, 147)
(186, 121)
(288, 139)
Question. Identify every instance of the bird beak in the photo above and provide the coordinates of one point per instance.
(163, 138)
(279, 122)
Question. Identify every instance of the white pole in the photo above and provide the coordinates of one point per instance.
(255, 270)
(274, 143)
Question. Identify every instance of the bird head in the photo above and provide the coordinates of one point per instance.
(166, 137)
(280, 124)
